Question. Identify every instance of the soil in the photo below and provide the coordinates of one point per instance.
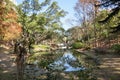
(7, 64)
(108, 67)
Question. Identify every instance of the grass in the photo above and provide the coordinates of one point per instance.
(40, 47)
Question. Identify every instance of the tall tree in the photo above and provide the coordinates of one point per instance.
(37, 19)
(10, 29)
(86, 11)
(114, 5)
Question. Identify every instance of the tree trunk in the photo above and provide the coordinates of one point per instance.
(20, 62)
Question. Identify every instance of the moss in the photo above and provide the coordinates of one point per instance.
(37, 48)
(77, 45)
(40, 46)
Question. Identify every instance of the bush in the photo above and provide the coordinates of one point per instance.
(116, 48)
(87, 47)
(77, 45)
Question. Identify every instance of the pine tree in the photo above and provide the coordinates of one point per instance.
(114, 5)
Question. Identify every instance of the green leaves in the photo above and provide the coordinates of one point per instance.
(116, 48)
(40, 18)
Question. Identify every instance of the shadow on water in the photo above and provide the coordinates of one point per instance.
(57, 65)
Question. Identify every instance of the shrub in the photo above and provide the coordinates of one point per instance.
(116, 48)
(87, 47)
(77, 45)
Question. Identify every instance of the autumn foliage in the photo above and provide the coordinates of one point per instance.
(9, 27)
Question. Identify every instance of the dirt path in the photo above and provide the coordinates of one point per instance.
(109, 68)
(7, 64)
(109, 65)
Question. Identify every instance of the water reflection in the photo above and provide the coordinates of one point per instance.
(66, 63)
(58, 65)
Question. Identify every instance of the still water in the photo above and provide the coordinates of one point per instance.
(66, 63)
(58, 65)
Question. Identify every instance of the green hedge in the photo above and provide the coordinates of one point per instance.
(77, 45)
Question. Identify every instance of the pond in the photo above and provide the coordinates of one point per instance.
(67, 62)
(58, 65)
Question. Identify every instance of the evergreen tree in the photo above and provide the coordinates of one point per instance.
(114, 5)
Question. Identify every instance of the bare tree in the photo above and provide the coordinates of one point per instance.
(86, 11)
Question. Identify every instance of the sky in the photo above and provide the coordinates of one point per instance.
(66, 5)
